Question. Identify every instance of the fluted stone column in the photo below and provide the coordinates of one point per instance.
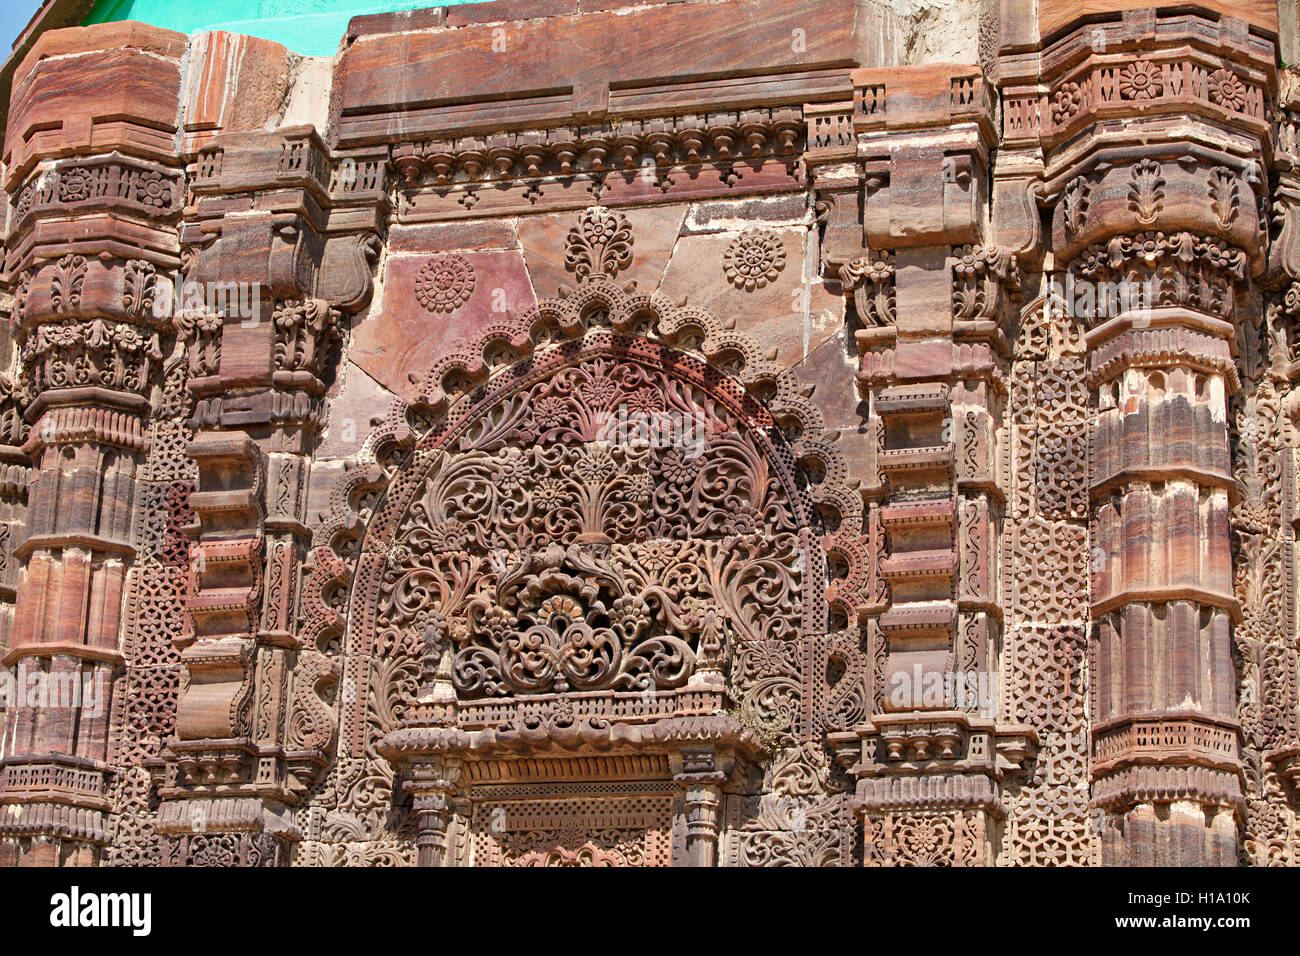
(92, 242)
(1157, 230)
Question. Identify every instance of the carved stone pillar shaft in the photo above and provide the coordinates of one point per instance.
(703, 797)
(1162, 594)
(432, 787)
(1160, 228)
(934, 302)
(96, 191)
(87, 433)
(258, 374)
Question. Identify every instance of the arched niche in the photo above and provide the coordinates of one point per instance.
(600, 582)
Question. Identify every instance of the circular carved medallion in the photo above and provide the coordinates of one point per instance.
(754, 259)
(445, 283)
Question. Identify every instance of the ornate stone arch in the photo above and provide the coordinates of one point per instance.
(534, 594)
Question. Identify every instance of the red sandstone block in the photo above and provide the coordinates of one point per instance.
(561, 63)
(923, 359)
(237, 82)
(114, 99)
(453, 237)
(1055, 15)
(919, 512)
(909, 563)
(590, 6)
(502, 10)
(125, 34)
(376, 23)
(917, 94)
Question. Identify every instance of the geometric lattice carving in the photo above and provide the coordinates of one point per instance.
(1051, 581)
(1045, 687)
(1062, 471)
(589, 831)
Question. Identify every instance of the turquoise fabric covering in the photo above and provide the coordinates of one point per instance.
(309, 27)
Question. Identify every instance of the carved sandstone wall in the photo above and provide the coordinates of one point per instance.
(965, 533)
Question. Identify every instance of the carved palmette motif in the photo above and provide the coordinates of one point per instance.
(304, 331)
(870, 281)
(201, 333)
(13, 429)
(985, 280)
(1157, 269)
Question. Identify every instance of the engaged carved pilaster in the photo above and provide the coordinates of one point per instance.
(260, 359)
(935, 305)
(91, 252)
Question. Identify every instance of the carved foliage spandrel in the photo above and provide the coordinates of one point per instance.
(795, 819)
(690, 549)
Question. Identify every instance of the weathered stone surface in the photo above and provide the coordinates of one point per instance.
(571, 54)
(454, 237)
(757, 275)
(352, 408)
(238, 83)
(430, 305)
(1053, 15)
(90, 93)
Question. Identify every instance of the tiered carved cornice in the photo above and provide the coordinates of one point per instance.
(615, 163)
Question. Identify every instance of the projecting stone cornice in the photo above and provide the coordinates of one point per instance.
(580, 67)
